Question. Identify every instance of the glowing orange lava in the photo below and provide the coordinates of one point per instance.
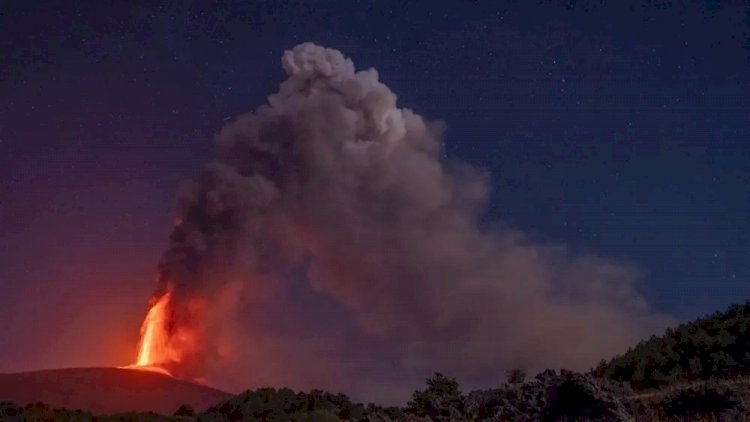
(170, 344)
(154, 345)
(155, 349)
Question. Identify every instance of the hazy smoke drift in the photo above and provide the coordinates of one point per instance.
(332, 190)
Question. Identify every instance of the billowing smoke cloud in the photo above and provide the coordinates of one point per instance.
(331, 246)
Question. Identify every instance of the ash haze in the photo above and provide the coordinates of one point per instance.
(337, 250)
(520, 184)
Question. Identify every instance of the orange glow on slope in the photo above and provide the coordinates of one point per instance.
(157, 369)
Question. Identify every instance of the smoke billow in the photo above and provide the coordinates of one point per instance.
(330, 246)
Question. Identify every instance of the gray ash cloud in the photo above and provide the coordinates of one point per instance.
(338, 249)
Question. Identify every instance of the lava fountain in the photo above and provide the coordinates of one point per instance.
(153, 347)
(157, 348)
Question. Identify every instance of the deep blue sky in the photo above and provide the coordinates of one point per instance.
(622, 130)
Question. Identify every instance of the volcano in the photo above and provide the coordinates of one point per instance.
(107, 390)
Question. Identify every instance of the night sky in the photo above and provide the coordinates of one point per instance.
(621, 130)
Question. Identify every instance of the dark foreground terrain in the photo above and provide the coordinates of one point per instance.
(105, 390)
(695, 372)
(550, 396)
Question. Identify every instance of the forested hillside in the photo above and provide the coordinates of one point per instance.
(712, 346)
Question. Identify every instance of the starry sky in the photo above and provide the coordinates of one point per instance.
(617, 129)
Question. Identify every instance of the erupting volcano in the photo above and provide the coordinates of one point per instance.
(328, 219)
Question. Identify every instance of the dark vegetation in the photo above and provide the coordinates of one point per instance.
(695, 372)
(717, 345)
(703, 399)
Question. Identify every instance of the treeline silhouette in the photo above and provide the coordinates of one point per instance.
(712, 346)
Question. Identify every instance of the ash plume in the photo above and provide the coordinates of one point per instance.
(333, 247)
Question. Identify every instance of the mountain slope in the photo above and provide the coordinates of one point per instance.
(106, 390)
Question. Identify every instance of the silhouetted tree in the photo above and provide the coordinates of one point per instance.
(441, 401)
(515, 376)
(185, 410)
